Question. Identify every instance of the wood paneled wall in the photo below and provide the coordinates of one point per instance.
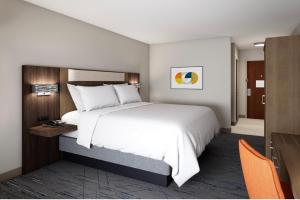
(38, 151)
(282, 69)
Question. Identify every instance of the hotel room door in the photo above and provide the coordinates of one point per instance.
(256, 90)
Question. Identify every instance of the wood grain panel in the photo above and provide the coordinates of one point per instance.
(282, 67)
(52, 131)
(38, 151)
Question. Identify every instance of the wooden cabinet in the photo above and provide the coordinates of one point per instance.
(282, 75)
(286, 157)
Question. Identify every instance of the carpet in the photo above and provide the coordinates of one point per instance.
(220, 176)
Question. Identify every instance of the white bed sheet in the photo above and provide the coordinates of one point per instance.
(71, 117)
(73, 134)
(176, 134)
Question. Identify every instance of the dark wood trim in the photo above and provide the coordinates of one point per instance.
(48, 131)
(142, 175)
(89, 69)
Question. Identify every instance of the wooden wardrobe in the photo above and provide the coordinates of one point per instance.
(282, 74)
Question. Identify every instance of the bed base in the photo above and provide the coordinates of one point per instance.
(130, 172)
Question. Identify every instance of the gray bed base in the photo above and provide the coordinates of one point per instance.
(134, 166)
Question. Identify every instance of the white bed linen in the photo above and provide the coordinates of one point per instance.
(71, 117)
(73, 134)
(176, 134)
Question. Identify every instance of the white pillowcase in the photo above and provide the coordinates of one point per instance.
(98, 97)
(76, 97)
(127, 94)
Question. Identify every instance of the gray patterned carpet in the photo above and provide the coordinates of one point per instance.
(220, 177)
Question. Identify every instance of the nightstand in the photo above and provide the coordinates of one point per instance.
(42, 145)
(51, 131)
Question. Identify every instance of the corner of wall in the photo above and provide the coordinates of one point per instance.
(296, 30)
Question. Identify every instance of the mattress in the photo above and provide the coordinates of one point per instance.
(68, 144)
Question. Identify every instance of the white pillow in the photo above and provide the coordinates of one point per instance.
(98, 97)
(76, 97)
(127, 94)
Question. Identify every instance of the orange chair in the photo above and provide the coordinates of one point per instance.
(260, 175)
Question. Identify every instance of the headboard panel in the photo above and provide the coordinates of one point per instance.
(66, 102)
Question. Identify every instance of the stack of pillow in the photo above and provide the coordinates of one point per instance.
(91, 98)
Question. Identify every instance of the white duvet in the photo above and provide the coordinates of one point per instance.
(176, 134)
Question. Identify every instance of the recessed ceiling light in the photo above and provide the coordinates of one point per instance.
(259, 44)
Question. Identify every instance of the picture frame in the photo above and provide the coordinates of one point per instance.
(189, 77)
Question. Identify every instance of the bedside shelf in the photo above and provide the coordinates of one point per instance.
(47, 131)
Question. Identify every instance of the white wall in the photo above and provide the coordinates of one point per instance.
(32, 35)
(234, 58)
(214, 55)
(244, 56)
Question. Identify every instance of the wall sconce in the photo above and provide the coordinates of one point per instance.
(44, 89)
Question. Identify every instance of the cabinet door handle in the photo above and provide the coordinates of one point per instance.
(276, 162)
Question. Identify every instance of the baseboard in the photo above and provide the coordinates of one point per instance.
(234, 123)
(225, 130)
(242, 116)
(11, 174)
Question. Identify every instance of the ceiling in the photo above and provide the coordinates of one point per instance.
(163, 21)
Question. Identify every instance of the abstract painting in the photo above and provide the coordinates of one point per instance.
(187, 78)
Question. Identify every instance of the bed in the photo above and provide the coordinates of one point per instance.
(147, 141)
(162, 139)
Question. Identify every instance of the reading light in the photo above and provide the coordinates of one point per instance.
(259, 44)
(44, 89)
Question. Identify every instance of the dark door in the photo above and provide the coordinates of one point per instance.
(255, 89)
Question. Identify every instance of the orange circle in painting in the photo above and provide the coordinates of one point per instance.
(186, 78)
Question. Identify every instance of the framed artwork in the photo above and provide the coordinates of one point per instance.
(187, 78)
